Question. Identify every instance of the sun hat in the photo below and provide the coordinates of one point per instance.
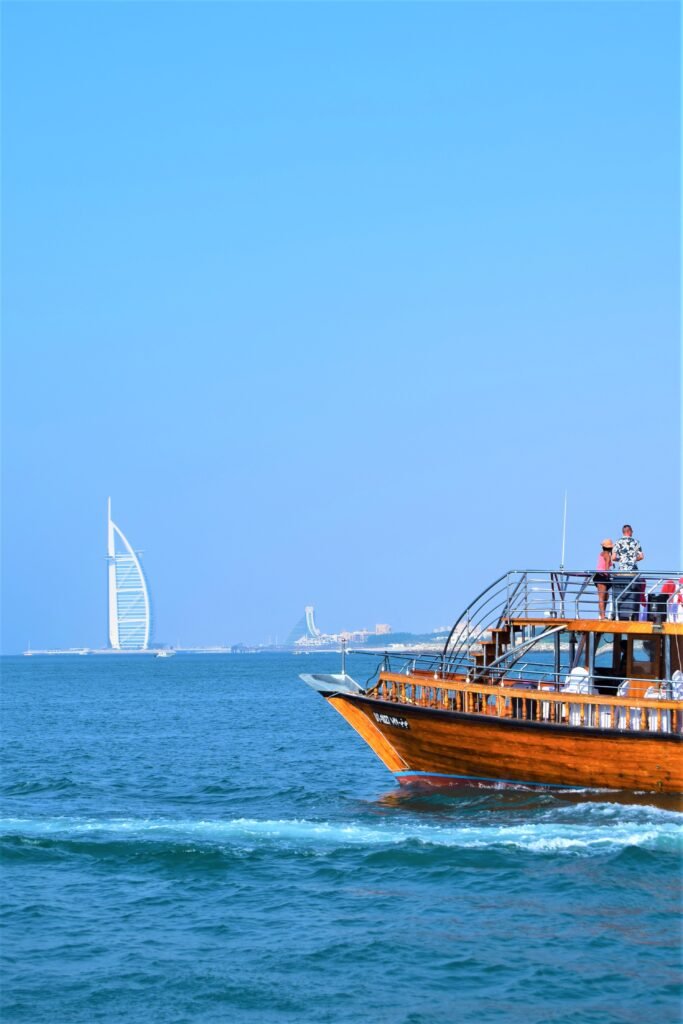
(607, 543)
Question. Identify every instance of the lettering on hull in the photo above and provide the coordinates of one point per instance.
(395, 720)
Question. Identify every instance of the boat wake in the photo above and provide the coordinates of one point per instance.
(582, 830)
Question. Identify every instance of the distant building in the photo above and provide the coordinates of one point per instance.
(307, 635)
(353, 635)
(305, 628)
(310, 621)
(129, 613)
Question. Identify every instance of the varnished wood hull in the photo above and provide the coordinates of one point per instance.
(426, 746)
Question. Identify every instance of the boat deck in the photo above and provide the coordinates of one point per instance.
(544, 703)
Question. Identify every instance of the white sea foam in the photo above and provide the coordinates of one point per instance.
(609, 829)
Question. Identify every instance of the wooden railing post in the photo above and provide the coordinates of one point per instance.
(542, 706)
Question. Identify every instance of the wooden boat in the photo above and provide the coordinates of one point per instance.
(532, 689)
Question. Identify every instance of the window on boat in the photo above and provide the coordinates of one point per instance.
(604, 654)
(619, 657)
(676, 653)
(578, 650)
(644, 657)
(609, 663)
(548, 660)
(566, 646)
(551, 659)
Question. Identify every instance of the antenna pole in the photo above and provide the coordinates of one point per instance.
(564, 531)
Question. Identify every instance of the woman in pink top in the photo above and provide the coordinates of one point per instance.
(602, 577)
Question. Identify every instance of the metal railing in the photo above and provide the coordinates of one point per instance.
(494, 620)
(658, 710)
(540, 594)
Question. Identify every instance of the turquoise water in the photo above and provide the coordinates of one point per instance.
(202, 839)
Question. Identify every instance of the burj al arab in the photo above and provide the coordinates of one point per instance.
(129, 615)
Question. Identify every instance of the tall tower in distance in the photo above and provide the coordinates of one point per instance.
(129, 617)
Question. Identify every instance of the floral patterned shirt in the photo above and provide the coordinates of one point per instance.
(625, 553)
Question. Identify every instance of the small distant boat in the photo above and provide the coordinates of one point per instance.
(164, 654)
(533, 689)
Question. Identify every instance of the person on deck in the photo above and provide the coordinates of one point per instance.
(627, 552)
(663, 602)
(602, 576)
(674, 594)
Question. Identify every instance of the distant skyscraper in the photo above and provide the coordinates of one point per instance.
(310, 621)
(129, 616)
(305, 627)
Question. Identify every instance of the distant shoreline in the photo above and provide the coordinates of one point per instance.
(166, 652)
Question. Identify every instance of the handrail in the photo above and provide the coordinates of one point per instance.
(557, 696)
(540, 594)
(547, 591)
(549, 706)
(510, 598)
(471, 605)
(515, 653)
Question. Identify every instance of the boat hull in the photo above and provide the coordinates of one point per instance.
(428, 747)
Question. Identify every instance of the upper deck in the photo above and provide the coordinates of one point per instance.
(637, 628)
(540, 629)
(537, 595)
(524, 603)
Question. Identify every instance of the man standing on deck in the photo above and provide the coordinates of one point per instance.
(627, 552)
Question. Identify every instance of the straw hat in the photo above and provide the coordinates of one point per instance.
(607, 543)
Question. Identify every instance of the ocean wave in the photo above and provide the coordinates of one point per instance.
(604, 832)
(48, 784)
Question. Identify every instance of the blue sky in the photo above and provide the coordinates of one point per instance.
(334, 300)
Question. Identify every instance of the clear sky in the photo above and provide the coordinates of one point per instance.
(334, 300)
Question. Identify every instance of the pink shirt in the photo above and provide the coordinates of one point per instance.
(603, 562)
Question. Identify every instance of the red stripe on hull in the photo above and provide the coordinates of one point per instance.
(424, 780)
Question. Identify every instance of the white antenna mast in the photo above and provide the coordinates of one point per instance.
(564, 531)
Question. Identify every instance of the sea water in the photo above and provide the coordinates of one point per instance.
(203, 839)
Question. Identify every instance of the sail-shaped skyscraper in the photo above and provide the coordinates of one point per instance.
(129, 615)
